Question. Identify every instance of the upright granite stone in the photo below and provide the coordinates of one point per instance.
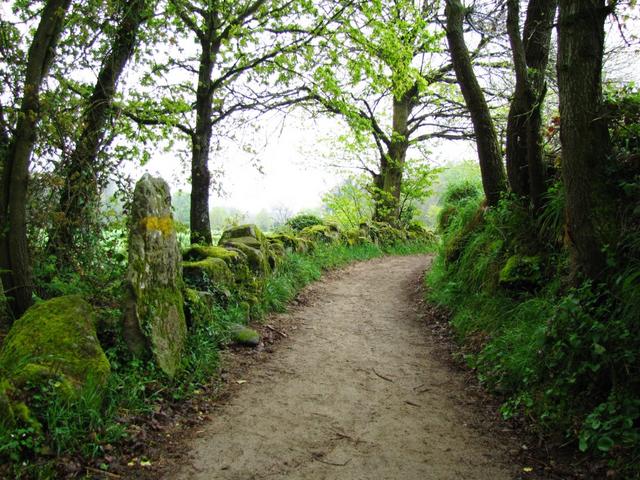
(154, 323)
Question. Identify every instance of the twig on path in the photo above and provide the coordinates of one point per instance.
(102, 472)
(315, 457)
(344, 435)
(409, 402)
(276, 331)
(382, 376)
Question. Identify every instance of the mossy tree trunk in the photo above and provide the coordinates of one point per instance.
(583, 133)
(80, 193)
(14, 251)
(489, 153)
(388, 185)
(524, 155)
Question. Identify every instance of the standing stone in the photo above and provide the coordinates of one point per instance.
(154, 323)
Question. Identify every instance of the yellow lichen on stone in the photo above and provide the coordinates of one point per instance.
(163, 225)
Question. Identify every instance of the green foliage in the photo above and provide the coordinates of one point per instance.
(349, 204)
(623, 105)
(302, 221)
(566, 358)
(417, 186)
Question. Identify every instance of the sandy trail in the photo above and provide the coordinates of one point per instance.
(356, 393)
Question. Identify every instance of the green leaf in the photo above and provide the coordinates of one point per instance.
(605, 444)
(583, 445)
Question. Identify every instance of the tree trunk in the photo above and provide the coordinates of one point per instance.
(201, 142)
(80, 194)
(14, 251)
(525, 167)
(583, 132)
(387, 199)
(489, 154)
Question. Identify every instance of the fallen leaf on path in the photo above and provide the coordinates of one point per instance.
(240, 382)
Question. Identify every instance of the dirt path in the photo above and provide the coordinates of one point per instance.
(356, 393)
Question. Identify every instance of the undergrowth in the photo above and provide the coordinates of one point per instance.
(566, 358)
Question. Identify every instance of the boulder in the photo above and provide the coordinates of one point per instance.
(249, 234)
(321, 233)
(291, 243)
(245, 336)
(55, 339)
(212, 273)
(250, 241)
(154, 323)
(257, 258)
(385, 234)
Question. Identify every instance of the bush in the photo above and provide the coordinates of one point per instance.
(302, 221)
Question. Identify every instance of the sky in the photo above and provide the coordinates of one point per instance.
(291, 168)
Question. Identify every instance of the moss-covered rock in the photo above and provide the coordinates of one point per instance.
(200, 307)
(291, 243)
(353, 237)
(277, 252)
(154, 323)
(246, 336)
(14, 412)
(209, 274)
(416, 231)
(257, 260)
(521, 272)
(248, 233)
(201, 252)
(321, 234)
(384, 234)
(55, 339)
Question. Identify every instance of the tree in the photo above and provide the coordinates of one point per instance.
(242, 50)
(381, 70)
(584, 135)
(489, 151)
(416, 187)
(14, 250)
(81, 193)
(349, 204)
(530, 51)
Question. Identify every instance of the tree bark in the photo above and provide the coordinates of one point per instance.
(201, 143)
(14, 250)
(489, 152)
(583, 133)
(525, 167)
(389, 184)
(80, 193)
